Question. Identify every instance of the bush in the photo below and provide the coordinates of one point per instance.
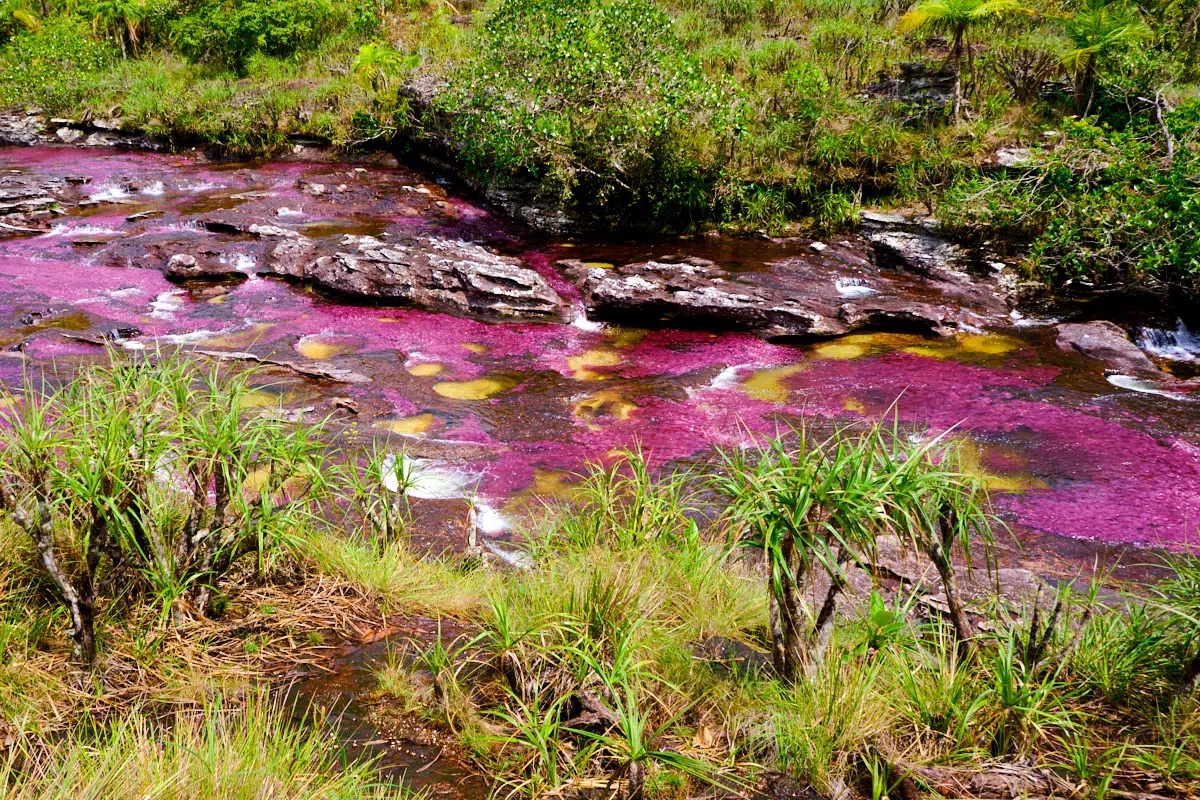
(596, 100)
(1104, 207)
(228, 35)
(53, 66)
(152, 481)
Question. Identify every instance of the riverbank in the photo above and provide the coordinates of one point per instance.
(508, 543)
(765, 117)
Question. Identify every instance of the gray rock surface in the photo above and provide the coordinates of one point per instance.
(922, 253)
(1105, 342)
(797, 298)
(425, 272)
(27, 202)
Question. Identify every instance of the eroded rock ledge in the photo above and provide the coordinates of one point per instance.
(797, 298)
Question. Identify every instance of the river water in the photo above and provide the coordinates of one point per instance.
(518, 408)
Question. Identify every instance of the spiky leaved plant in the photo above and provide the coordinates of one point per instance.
(816, 507)
(151, 479)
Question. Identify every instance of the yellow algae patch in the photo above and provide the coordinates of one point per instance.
(553, 483)
(317, 348)
(474, 347)
(599, 264)
(928, 351)
(604, 404)
(966, 345)
(839, 351)
(970, 460)
(239, 340)
(582, 365)
(426, 369)
(862, 344)
(993, 344)
(259, 398)
(851, 404)
(255, 481)
(477, 389)
(389, 319)
(221, 298)
(767, 384)
(625, 337)
(409, 426)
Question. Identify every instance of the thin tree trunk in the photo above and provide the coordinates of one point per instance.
(637, 781)
(939, 554)
(1191, 675)
(823, 630)
(958, 47)
(787, 614)
(79, 601)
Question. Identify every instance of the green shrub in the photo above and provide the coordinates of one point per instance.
(598, 101)
(1103, 207)
(52, 67)
(228, 35)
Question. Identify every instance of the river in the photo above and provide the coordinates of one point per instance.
(519, 408)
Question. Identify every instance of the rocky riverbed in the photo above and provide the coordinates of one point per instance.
(416, 317)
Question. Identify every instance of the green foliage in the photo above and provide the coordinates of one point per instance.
(1102, 208)
(229, 34)
(814, 507)
(222, 751)
(151, 480)
(52, 67)
(592, 99)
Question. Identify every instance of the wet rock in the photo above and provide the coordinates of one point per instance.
(272, 232)
(426, 272)
(291, 257)
(797, 298)
(1105, 342)
(921, 253)
(27, 201)
(17, 127)
(207, 267)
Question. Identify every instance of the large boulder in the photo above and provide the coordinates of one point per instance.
(425, 272)
(796, 298)
(1105, 342)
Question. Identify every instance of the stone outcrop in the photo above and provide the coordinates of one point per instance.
(1105, 342)
(797, 298)
(921, 253)
(28, 201)
(425, 272)
(924, 90)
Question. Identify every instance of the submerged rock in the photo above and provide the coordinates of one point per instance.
(425, 272)
(1106, 342)
(797, 298)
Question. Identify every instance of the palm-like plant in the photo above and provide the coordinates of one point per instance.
(1096, 29)
(373, 63)
(122, 20)
(957, 18)
(818, 507)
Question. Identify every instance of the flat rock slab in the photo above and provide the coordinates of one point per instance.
(796, 297)
(435, 274)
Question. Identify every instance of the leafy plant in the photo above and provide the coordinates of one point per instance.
(957, 18)
(151, 477)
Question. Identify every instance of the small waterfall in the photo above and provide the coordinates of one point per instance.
(1180, 344)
